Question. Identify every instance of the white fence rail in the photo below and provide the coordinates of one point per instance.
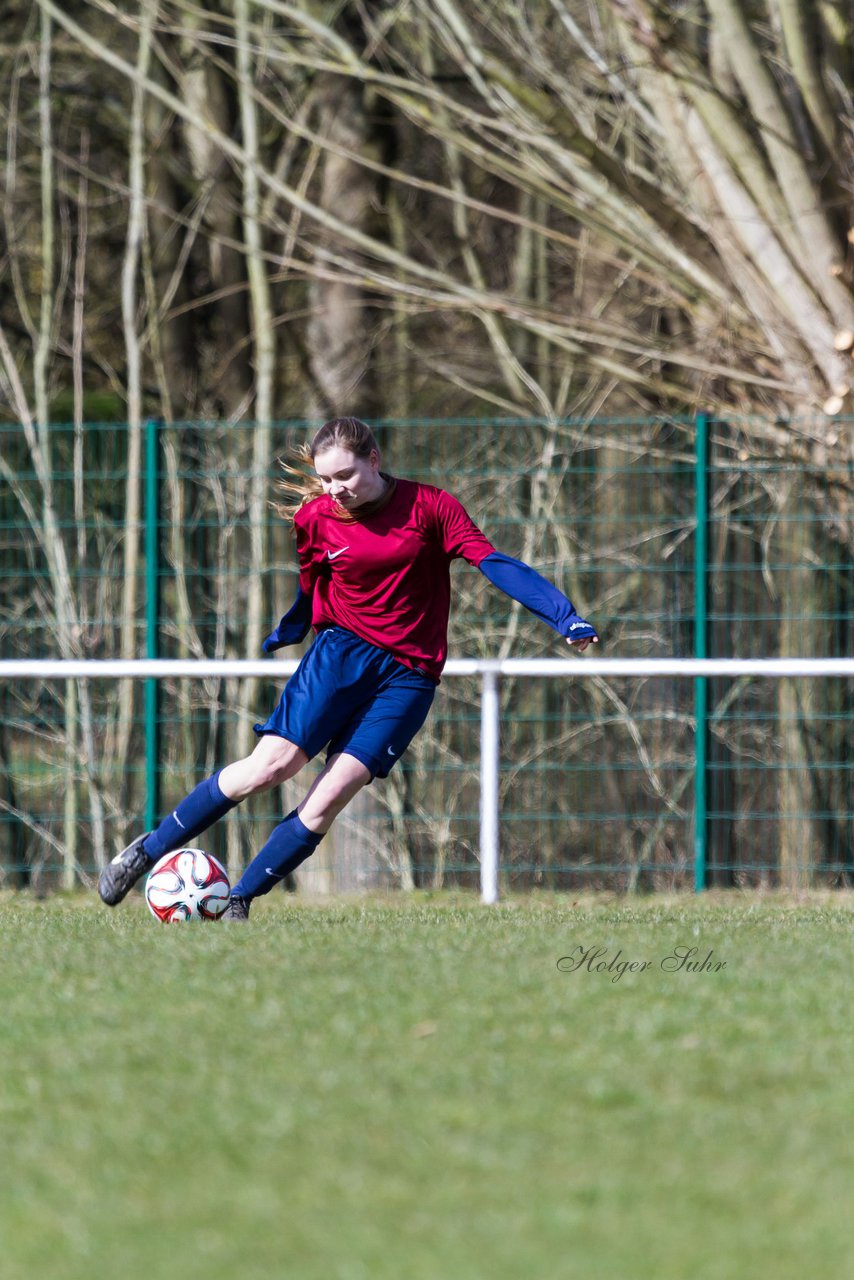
(270, 668)
(490, 672)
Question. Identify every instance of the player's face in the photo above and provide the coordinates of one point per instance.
(351, 481)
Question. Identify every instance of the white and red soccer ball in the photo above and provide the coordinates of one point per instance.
(187, 884)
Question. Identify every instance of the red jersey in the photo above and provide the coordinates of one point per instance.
(385, 577)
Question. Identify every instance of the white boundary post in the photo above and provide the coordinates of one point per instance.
(490, 763)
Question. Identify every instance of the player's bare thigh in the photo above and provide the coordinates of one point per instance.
(273, 761)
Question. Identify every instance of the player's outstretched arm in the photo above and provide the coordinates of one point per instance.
(519, 581)
(293, 627)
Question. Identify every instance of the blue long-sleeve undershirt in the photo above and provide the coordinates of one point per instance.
(519, 581)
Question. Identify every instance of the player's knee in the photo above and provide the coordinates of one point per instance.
(281, 773)
(272, 771)
(323, 805)
(322, 811)
(262, 777)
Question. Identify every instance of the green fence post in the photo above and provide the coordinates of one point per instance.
(152, 620)
(701, 598)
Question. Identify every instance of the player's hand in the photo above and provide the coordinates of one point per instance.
(581, 635)
(581, 645)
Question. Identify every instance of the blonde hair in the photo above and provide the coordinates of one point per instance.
(301, 484)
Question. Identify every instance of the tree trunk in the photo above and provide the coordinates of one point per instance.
(264, 349)
(130, 321)
(349, 859)
(800, 598)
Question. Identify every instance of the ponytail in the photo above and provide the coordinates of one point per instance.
(300, 485)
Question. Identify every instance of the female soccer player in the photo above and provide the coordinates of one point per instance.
(374, 555)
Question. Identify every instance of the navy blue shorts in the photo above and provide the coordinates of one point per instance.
(349, 695)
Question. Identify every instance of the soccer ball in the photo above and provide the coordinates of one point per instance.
(187, 884)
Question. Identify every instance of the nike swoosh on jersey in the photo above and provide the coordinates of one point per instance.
(333, 555)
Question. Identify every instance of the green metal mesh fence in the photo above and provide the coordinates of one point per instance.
(598, 775)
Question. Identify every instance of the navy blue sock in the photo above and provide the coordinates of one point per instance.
(289, 845)
(198, 811)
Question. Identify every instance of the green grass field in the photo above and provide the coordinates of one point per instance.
(414, 1089)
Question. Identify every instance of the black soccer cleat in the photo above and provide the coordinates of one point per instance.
(237, 909)
(119, 876)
